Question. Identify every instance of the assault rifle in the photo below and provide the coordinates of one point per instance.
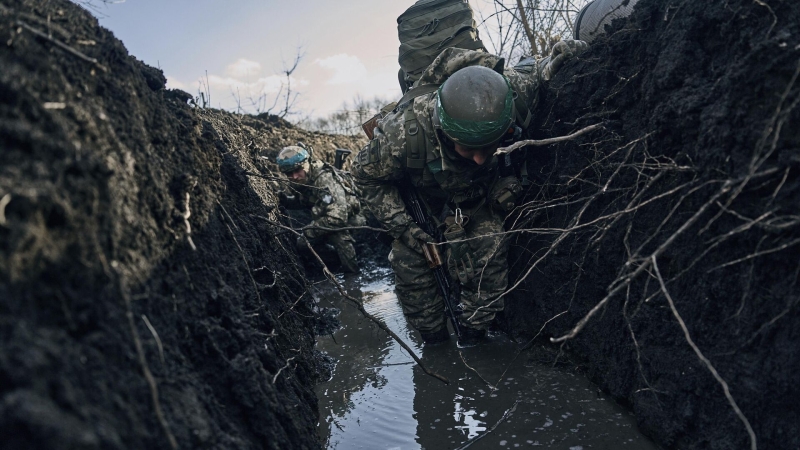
(415, 208)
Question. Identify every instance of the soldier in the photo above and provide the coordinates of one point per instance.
(443, 142)
(330, 197)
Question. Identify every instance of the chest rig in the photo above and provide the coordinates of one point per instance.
(438, 180)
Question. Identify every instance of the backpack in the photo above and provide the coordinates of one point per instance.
(428, 27)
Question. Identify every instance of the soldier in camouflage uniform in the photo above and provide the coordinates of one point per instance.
(449, 159)
(329, 196)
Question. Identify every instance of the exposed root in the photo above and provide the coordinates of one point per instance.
(151, 381)
(3, 203)
(155, 336)
(286, 366)
(241, 252)
(706, 362)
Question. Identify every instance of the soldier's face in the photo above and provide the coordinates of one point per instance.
(477, 155)
(298, 175)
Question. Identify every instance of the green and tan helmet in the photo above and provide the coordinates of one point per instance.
(292, 158)
(475, 107)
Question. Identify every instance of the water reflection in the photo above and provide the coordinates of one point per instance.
(378, 399)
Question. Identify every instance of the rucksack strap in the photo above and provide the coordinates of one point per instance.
(415, 140)
(417, 91)
(524, 114)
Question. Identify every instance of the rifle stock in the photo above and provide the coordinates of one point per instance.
(436, 263)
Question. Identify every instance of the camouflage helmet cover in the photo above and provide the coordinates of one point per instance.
(291, 158)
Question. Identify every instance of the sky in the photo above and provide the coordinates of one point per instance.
(240, 47)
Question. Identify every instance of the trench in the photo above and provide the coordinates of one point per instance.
(377, 398)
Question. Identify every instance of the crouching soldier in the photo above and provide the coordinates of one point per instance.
(440, 141)
(330, 197)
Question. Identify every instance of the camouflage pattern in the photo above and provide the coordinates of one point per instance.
(333, 204)
(444, 181)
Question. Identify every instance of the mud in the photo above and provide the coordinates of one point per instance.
(698, 166)
(146, 301)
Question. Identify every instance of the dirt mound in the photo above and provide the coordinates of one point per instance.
(690, 190)
(147, 303)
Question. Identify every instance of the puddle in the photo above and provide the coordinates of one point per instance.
(379, 399)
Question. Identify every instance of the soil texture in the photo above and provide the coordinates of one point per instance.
(683, 208)
(148, 301)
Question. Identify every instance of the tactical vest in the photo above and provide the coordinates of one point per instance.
(420, 153)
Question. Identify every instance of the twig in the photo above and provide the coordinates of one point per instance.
(757, 254)
(541, 142)
(317, 227)
(705, 360)
(627, 280)
(155, 336)
(187, 212)
(62, 46)
(494, 388)
(143, 362)
(282, 179)
(506, 415)
(3, 203)
(286, 366)
(241, 252)
(329, 275)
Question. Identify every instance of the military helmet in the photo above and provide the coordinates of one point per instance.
(475, 106)
(292, 158)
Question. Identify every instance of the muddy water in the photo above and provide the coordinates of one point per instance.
(379, 399)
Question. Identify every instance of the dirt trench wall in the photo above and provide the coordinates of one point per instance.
(697, 168)
(145, 302)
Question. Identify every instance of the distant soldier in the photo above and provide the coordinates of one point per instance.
(330, 197)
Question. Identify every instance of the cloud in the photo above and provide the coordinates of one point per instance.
(346, 69)
(174, 83)
(265, 85)
(243, 68)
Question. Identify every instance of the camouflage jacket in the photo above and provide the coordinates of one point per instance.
(326, 193)
(441, 176)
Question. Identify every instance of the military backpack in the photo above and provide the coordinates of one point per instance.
(428, 27)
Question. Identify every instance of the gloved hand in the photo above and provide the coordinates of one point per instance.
(505, 192)
(285, 199)
(413, 237)
(562, 51)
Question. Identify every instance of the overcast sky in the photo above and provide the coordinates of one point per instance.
(350, 46)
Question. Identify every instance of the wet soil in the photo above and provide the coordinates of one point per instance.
(147, 301)
(698, 166)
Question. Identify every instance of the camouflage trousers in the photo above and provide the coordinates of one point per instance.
(478, 260)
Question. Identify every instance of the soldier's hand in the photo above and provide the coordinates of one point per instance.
(413, 237)
(562, 51)
(284, 199)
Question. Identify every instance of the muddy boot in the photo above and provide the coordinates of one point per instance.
(435, 337)
(471, 337)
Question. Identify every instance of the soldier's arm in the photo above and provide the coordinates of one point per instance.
(332, 205)
(376, 169)
(526, 85)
